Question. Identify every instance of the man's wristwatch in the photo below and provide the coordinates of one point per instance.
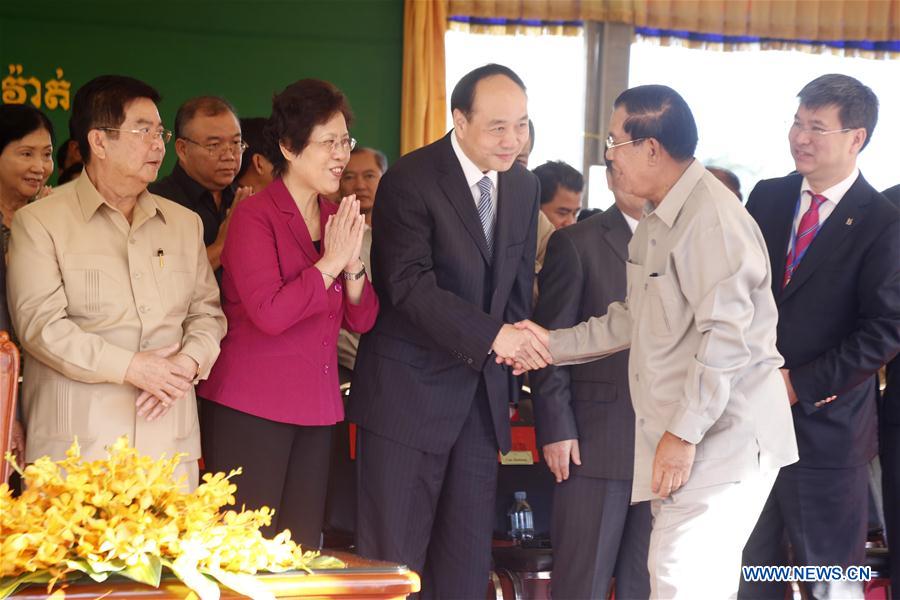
(354, 276)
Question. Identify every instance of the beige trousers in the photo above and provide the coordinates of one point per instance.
(698, 537)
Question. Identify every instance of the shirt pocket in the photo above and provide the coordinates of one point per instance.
(93, 283)
(175, 281)
(662, 304)
(633, 274)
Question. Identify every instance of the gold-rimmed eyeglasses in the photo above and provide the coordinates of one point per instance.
(147, 134)
(611, 143)
(819, 131)
(346, 144)
(217, 149)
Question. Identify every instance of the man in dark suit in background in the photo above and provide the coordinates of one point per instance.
(584, 416)
(833, 243)
(889, 438)
(453, 249)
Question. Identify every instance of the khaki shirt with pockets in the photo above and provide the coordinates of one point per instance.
(87, 290)
(700, 320)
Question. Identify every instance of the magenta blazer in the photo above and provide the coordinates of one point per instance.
(279, 357)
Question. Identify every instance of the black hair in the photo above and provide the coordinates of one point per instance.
(584, 213)
(18, 120)
(253, 132)
(659, 112)
(463, 95)
(208, 106)
(380, 157)
(553, 174)
(70, 173)
(62, 153)
(297, 110)
(101, 102)
(727, 177)
(857, 103)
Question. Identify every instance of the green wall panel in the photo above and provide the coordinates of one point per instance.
(243, 50)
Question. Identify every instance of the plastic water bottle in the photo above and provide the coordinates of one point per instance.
(521, 519)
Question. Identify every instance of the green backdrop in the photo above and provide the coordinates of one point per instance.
(243, 50)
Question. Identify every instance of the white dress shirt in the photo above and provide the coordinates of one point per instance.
(833, 195)
(473, 174)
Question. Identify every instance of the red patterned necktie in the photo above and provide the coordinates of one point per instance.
(806, 231)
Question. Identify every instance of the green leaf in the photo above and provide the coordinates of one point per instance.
(84, 567)
(326, 562)
(147, 570)
(242, 583)
(9, 585)
(105, 566)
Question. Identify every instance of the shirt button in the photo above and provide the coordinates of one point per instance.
(330, 315)
(653, 242)
(337, 287)
(145, 344)
(637, 377)
(132, 241)
(144, 308)
(325, 369)
(324, 342)
(137, 275)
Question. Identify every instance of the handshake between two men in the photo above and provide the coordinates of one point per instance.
(524, 346)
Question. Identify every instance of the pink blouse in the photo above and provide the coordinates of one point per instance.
(279, 357)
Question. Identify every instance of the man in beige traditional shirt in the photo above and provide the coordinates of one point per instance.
(712, 424)
(113, 297)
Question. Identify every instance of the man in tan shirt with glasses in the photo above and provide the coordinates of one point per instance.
(111, 293)
(712, 422)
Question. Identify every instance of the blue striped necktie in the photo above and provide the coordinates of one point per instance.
(486, 212)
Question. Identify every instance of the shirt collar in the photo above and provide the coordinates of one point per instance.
(632, 222)
(674, 200)
(835, 192)
(471, 172)
(91, 200)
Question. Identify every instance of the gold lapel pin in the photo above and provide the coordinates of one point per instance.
(849, 220)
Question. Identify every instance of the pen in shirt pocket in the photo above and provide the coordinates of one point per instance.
(160, 254)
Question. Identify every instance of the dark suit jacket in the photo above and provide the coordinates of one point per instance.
(839, 317)
(891, 407)
(442, 301)
(583, 273)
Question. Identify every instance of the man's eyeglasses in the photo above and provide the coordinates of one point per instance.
(821, 131)
(611, 143)
(147, 134)
(217, 149)
(346, 144)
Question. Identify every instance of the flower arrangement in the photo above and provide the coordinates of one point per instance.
(127, 516)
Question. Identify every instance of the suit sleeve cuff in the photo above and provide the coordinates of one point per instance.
(114, 363)
(689, 426)
(195, 351)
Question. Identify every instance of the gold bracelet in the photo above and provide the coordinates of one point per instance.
(333, 278)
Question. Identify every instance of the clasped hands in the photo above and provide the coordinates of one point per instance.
(164, 377)
(525, 346)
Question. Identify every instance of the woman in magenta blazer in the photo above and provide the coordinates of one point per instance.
(291, 279)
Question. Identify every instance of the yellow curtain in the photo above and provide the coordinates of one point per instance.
(424, 97)
(821, 20)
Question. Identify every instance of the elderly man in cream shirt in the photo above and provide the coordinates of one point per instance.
(111, 293)
(713, 425)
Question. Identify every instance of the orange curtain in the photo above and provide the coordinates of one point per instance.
(822, 20)
(424, 97)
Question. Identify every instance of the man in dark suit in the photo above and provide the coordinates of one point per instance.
(584, 416)
(889, 438)
(453, 249)
(833, 243)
